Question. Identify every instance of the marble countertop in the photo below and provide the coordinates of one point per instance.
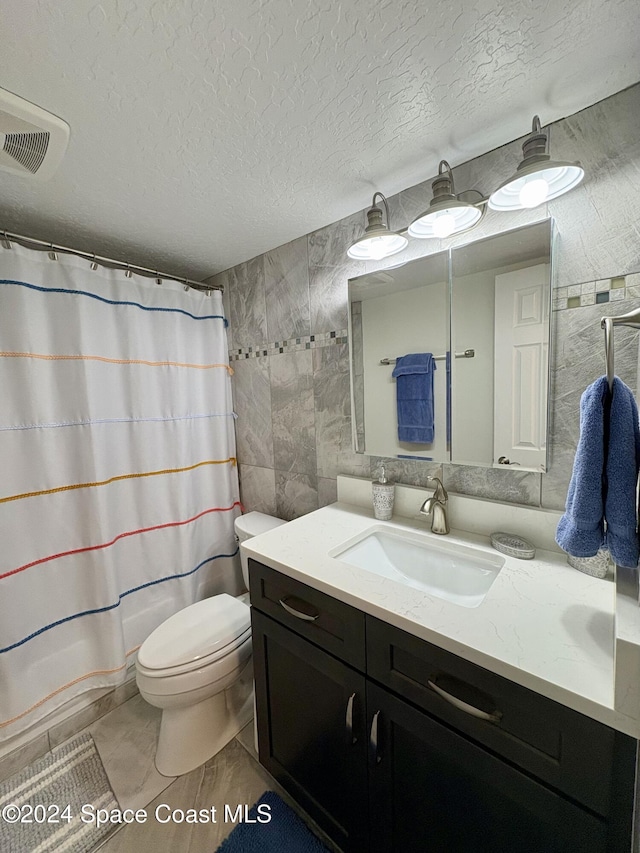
(542, 624)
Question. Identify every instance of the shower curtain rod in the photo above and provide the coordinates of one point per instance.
(30, 243)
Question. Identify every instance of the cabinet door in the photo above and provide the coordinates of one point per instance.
(311, 729)
(431, 789)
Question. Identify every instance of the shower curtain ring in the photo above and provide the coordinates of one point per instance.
(52, 253)
(94, 265)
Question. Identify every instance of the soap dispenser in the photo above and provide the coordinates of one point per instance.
(383, 494)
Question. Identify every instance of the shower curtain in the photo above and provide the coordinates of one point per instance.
(118, 477)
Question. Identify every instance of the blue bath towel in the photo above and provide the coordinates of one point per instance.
(623, 462)
(605, 472)
(414, 397)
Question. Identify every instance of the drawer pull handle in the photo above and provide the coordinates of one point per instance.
(494, 717)
(373, 739)
(307, 617)
(350, 736)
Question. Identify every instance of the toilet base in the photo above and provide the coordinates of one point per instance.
(191, 735)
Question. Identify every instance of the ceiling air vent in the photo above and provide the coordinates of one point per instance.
(32, 141)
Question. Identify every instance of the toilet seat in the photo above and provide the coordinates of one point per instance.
(195, 637)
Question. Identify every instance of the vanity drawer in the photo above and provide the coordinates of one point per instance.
(576, 755)
(325, 621)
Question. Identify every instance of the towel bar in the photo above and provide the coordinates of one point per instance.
(468, 353)
(632, 319)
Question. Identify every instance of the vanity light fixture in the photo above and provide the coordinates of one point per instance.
(378, 242)
(447, 214)
(538, 178)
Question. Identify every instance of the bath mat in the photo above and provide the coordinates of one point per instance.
(34, 817)
(285, 832)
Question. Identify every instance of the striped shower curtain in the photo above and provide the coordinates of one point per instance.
(118, 478)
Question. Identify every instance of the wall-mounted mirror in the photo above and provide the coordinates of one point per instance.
(482, 312)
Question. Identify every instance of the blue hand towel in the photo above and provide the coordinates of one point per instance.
(414, 397)
(580, 531)
(622, 464)
(605, 473)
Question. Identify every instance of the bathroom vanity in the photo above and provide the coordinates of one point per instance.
(397, 723)
(393, 744)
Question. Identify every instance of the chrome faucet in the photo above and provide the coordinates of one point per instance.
(436, 507)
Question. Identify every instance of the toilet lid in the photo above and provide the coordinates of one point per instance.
(197, 632)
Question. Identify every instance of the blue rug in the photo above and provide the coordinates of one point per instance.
(285, 832)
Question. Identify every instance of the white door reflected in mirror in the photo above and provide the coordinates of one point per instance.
(521, 368)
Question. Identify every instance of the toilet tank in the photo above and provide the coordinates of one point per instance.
(249, 525)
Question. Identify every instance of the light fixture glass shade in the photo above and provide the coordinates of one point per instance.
(378, 241)
(550, 182)
(446, 215)
(445, 221)
(377, 247)
(538, 178)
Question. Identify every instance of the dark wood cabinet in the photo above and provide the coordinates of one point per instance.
(358, 735)
(311, 729)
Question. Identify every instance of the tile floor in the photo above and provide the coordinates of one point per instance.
(14, 761)
(126, 737)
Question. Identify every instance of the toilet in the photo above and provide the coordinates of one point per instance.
(196, 666)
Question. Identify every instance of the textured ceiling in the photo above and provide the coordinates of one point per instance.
(205, 132)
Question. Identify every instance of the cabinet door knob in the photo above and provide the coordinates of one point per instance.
(308, 617)
(493, 717)
(373, 739)
(351, 739)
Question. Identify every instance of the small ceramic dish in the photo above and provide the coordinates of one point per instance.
(513, 546)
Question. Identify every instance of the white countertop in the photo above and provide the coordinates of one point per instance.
(542, 624)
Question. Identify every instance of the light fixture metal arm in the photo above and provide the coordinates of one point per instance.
(386, 206)
(445, 167)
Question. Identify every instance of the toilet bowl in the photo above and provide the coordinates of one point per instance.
(196, 666)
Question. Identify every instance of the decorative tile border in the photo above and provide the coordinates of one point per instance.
(323, 339)
(597, 292)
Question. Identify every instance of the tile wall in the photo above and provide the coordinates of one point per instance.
(288, 319)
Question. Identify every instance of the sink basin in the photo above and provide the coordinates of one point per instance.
(458, 573)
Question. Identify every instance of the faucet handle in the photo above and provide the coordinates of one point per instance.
(440, 493)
